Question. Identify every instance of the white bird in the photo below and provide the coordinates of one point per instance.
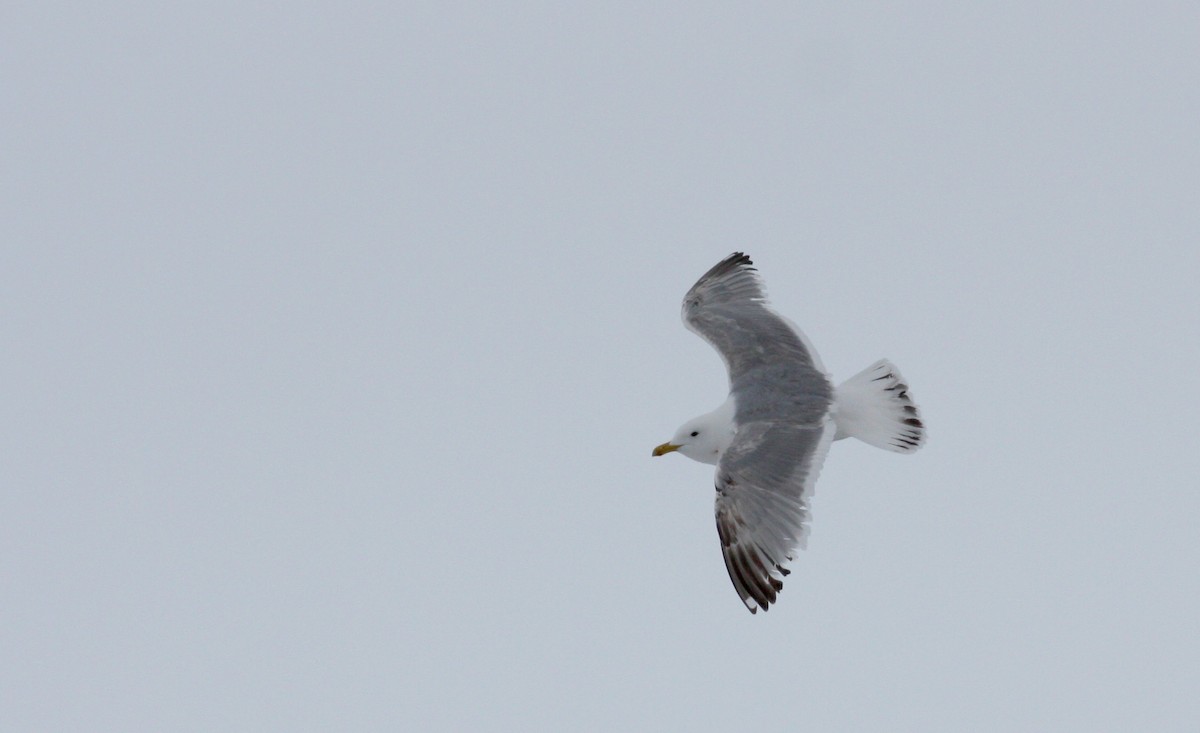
(769, 438)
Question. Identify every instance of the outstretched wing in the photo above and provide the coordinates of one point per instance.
(764, 482)
(727, 307)
(783, 401)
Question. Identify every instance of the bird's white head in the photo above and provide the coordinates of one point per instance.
(703, 438)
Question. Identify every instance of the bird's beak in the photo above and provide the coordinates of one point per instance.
(665, 448)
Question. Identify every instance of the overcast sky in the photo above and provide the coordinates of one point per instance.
(336, 338)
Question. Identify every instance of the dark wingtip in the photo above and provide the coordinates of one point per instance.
(738, 258)
(729, 264)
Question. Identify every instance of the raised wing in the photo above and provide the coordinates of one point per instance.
(764, 482)
(728, 308)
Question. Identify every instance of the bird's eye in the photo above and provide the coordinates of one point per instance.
(695, 433)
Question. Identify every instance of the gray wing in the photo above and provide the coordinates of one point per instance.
(764, 482)
(728, 308)
(783, 400)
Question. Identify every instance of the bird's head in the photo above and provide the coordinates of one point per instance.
(697, 439)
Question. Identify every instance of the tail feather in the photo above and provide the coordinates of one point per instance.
(875, 407)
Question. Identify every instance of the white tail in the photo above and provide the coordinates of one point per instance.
(874, 407)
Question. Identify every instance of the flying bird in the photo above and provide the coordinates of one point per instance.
(769, 438)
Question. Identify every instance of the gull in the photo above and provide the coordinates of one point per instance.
(770, 436)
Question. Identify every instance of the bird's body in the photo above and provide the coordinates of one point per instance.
(769, 438)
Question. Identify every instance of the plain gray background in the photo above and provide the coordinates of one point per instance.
(336, 338)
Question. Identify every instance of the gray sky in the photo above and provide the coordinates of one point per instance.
(337, 338)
